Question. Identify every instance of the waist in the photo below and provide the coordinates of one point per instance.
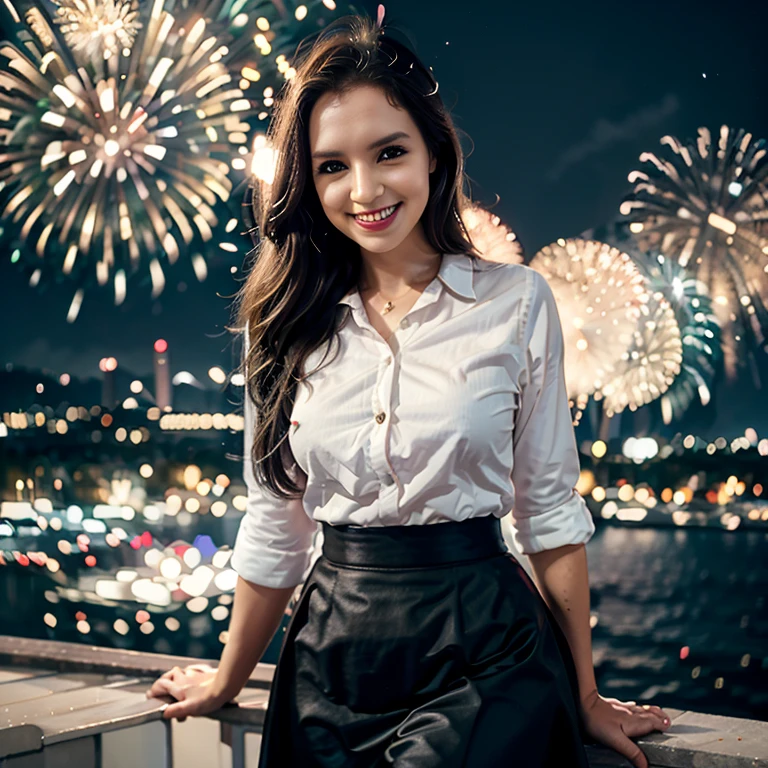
(413, 546)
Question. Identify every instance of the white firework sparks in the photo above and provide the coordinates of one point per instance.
(491, 237)
(115, 166)
(100, 28)
(622, 344)
(706, 207)
(690, 301)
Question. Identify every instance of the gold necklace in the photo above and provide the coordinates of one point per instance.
(390, 305)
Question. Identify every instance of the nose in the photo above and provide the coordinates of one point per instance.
(366, 185)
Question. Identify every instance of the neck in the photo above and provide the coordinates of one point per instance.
(393, 272)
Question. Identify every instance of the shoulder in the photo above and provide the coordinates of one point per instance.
(513, 281)
(520, 296)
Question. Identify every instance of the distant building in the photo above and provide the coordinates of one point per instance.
(163, 389)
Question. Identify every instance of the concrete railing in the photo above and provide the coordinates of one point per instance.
(65, 704)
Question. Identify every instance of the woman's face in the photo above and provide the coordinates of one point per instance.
(369, 158)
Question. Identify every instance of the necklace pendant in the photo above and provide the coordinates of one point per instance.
(387, 307)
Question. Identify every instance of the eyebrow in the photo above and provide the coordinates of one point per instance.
(378, 143)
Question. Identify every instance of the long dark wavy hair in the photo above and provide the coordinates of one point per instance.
(303, 265)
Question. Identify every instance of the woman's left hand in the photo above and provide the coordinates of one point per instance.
(614, 723)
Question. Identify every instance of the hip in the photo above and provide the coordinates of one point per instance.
(376, 638)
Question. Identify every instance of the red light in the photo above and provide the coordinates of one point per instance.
(146, 539)
(142, 616)
(80, 616)
(161, 346)
(685, 652)
(22, 559)
(90, 561)
(135, 542)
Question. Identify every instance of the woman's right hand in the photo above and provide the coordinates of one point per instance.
(192, 687)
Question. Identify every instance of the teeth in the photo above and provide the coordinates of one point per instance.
(385, 214)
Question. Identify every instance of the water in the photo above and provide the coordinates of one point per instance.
(656, 591)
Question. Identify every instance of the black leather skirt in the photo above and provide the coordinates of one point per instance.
(422, 646)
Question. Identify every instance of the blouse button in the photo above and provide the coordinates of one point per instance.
(380, 417)
(404, 322)
(388, 360)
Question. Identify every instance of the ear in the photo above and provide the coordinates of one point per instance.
(432, 163)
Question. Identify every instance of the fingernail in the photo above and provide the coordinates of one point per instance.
(666, 721)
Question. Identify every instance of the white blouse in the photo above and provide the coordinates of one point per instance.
(468, 416)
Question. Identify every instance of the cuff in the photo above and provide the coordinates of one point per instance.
(569, 523)
(257, 563)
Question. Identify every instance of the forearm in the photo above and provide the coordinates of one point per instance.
(256, 615)
(562, 578)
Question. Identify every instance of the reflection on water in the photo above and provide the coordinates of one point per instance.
(682, 617)
(679, 616)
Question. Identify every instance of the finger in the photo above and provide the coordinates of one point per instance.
(205, 668)
(158, 688)
(622, 703)
(656, 719)
(167, 687)
(180, 710)
(630, 750)
(171, 673)
(640, 725)
(660, 723)
(661, 713)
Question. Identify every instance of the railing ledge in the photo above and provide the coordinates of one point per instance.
(694, 740)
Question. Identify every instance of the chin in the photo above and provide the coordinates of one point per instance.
(380, 244)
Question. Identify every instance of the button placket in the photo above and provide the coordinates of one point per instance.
(381, 404)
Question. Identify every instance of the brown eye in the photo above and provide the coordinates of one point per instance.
(393, 152)
(330, 167)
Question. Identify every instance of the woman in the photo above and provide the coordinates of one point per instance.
(418, 640)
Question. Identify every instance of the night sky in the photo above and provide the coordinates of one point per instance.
(557, 101)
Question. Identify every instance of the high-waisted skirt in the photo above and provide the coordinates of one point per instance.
(423, 646)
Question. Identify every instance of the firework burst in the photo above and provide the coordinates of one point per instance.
(699, 329)
(117, 165)
(692, 305)
(622, 343)
(98, 27)
(491, 237)
(706, 207)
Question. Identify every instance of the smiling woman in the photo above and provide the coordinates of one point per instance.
(379, 186)
(418, 639)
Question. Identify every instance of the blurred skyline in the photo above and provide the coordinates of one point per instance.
(557, 102)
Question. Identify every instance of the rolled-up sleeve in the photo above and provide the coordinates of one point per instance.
(274, 542)
(548, 512)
